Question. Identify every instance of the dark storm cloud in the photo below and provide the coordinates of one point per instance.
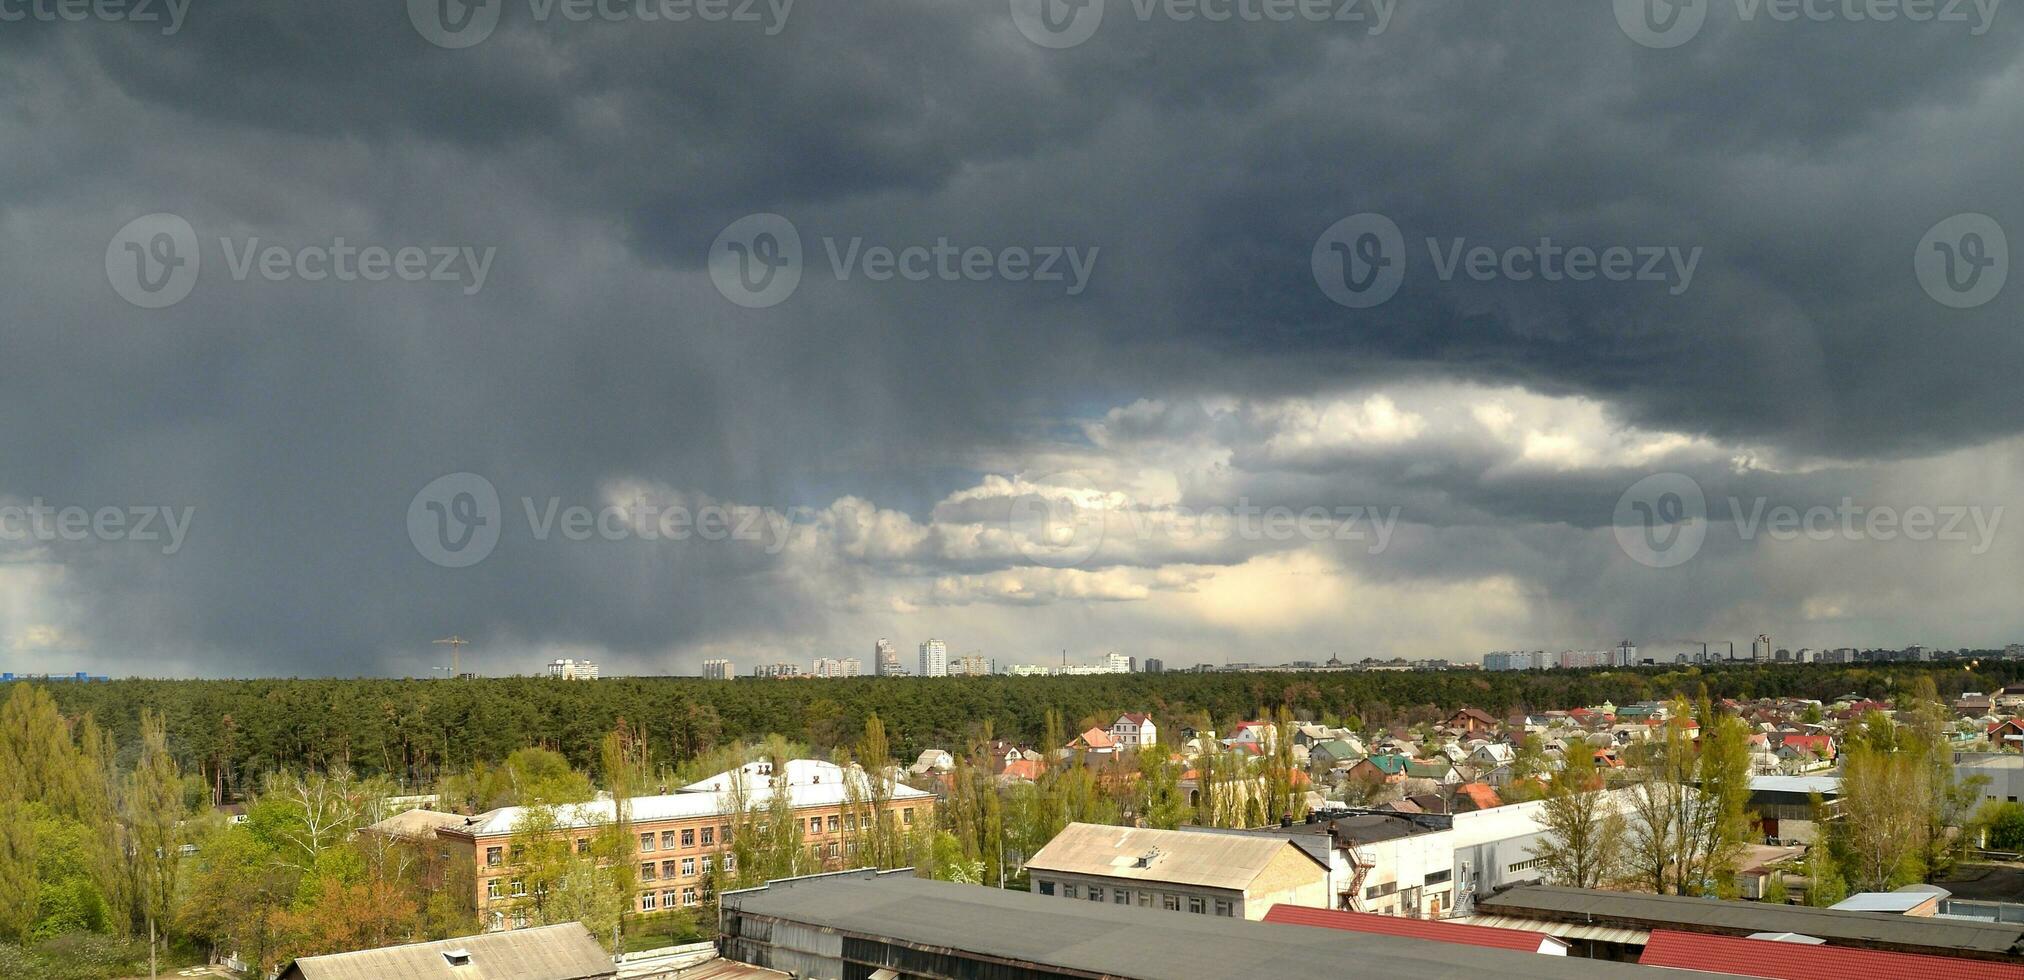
(600, 160)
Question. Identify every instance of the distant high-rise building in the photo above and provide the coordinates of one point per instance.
(1626, 654)
(972, 665)
(934, 659)
(718, 670)
(1760, 650)
(1118, 663)
(1155, 665)
(572, 670)
(777, 670)
(886, 658)
(1580, 659)
(830, 667)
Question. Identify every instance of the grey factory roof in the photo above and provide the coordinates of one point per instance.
(1873, 929)
(1122, 941)
(1827, 786)
(564, 952)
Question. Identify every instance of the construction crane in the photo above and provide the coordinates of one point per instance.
(456, 645)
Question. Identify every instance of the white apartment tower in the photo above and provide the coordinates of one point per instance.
(717, 670)
(885, 658)
(934, 659)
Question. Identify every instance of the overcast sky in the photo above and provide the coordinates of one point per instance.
(1381, 329)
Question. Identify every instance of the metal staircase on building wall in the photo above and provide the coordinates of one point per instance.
(1361, 861)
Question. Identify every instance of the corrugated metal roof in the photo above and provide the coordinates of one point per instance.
(1523, 941)
(1130, 943)
(1620, 935)
(1906, 933)
(721, 969)
(1181, 857)
(1895, 902)
(1799, 961)
(561, 952)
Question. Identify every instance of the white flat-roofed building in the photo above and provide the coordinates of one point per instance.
(1227, 875)
(572, 670)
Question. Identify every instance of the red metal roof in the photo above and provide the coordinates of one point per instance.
(1802, 961)
(1387, 925)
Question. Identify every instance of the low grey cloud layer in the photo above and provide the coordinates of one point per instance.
(970, 450)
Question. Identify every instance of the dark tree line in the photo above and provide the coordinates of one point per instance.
(232, 732)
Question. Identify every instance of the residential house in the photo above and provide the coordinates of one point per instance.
(1490, 755)
(1439, 770)
(1806, 750)
(1379, 769)
(1474, 721)
(1328, 754)
(1262, 735)
(1132, 730)
(933, 761)
(1096, 741)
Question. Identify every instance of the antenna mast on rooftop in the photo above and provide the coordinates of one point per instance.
(456, 645)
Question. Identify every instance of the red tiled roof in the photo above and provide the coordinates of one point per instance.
(1480, 794)
(1386, 925)
(1023, 769)
(1097, 738)
(1804, 961)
